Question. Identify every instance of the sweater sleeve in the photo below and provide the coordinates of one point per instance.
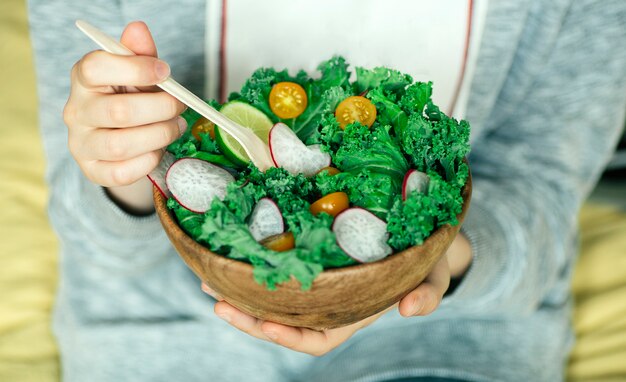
(551, 132)
(80, 210)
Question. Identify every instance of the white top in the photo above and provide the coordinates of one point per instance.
(432, 40)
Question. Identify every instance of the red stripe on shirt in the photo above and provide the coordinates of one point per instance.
(467, 42)
(222, 71)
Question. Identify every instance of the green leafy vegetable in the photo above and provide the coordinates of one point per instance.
(371, 190)
(436, 144)
(416, 97)
(388, 79)
(410, 131)
(389, 113)
(411, 221)
(317, 238)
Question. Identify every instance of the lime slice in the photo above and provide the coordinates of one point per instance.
(247, 116)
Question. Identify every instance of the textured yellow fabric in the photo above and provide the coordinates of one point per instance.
(28, 248)
(600, 291)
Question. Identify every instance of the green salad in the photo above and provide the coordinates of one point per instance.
(364, 169)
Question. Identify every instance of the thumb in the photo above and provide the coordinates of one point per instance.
(137, 37)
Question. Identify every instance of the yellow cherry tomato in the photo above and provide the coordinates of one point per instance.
(332, 204)
(203, 125)
(330, 170)
(287, 100)
(355, 109)
(280, 243)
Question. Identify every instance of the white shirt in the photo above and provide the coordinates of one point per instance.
(432, 40)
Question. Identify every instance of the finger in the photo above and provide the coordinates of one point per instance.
(240, 320)
(99, 68)
(123, 144)
(305, 340)
(121, 173)
(137, 37)
(310, 341)
(427, 296)
(126, 110)
(206, 289)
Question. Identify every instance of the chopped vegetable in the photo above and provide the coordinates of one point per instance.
(355, 109)
(331, 204)
(362, 235)
(157, 176)
(291, 154)
(280, 243)
(414, 181)
(287, 100)
(246, 116)
(330, 170)
(194, 183)
(266, 220)
(203, 126)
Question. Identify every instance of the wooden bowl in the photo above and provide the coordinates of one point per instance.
(338, 297)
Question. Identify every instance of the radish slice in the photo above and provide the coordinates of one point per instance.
(194, 183)
(362, 235)
(414, 181)
(157, 176)
(266, 220)
(290, 153)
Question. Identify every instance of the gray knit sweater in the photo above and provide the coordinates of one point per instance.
(546, 106)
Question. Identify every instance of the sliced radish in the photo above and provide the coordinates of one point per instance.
(194, 183)
(157, 176)
(290, 153)
(362, 235)
(266, 220)
(414, 181)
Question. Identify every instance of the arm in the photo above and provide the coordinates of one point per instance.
(79, 208)
(547, 140)
(113, 264)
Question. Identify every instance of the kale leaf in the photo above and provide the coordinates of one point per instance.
(411, 221)
(436, 144)
(373, 149)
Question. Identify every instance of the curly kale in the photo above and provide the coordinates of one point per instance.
(436, 144)
(411, 221)
(416, 97)
(409, 132)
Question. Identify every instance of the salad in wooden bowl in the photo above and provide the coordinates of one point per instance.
(369, 189)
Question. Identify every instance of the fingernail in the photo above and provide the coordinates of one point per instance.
(224, 317)
(271, 335)
(205, 289)
(182, 125)
(162, 69)
(418, 305)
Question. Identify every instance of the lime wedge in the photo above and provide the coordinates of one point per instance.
(247, 116)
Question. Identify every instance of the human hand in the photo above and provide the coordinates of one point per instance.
(422, 301)
(303, 340)
(118, 122)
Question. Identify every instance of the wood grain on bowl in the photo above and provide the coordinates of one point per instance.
(338, 297)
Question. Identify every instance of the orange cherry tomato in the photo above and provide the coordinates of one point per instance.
(332, 204)
(288, 100)
(330, 170)
(203, 125)
(355, 109)
(280, 243)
